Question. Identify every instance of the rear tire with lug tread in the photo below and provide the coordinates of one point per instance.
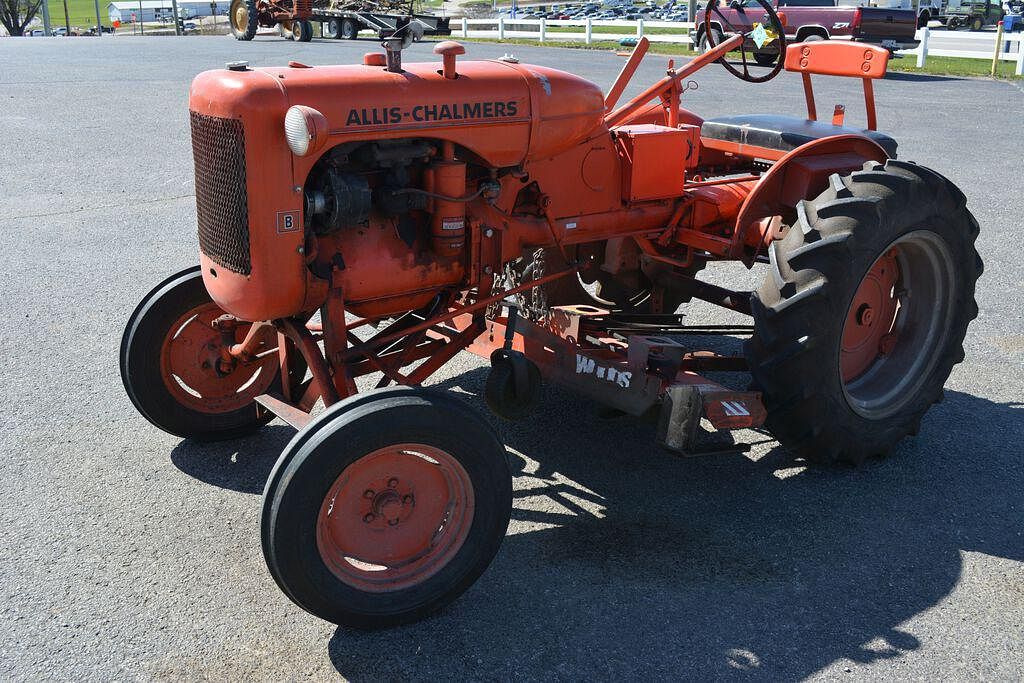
(836, 388)
(302, 30)
(243, 19)
(386, 507)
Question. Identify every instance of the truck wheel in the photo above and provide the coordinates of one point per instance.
(332, 29)
(702, 42)
(864, 313)
(977, 24)
(386, 507)
(923, 19)
(244, 17)
(765, 58)
(349, 29)
(172, 369)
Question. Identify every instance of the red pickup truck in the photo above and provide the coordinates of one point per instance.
(807, 20)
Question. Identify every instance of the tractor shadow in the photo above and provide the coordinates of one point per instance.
(624, 560)
(237, 465)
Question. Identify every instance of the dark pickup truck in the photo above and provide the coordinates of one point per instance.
(807, 20)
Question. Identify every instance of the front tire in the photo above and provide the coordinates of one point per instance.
(386, 507)
(172, 369)
(864, 313)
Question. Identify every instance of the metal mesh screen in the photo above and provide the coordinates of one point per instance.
(218, 148)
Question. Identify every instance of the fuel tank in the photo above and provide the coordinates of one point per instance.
(249, 185)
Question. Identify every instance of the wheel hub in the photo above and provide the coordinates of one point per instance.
(395, 517)
(200, 372)
(870, 318)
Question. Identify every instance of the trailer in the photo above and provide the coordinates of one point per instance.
(294, 18)
(344, 23)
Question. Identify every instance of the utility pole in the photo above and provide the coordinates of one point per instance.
(67, 20)
(142, 20)
(177, 18)
(47, 26)
(99, 22)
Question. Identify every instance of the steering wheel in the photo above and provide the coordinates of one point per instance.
(762, 31)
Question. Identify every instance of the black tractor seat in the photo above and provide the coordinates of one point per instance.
(783, 133)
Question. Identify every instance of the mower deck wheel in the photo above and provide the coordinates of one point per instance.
(863, 315)
(174, 372)
(503, 393)
(386, 507)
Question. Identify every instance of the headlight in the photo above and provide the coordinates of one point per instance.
(305, 129)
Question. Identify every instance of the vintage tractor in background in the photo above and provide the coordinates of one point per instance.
(368, 222)
(291, 17)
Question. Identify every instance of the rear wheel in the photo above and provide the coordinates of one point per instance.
(865, 311)
(386, 508)
(302, 30)
(174, 372)
(349, 29)
(332, 29)
(243, 17)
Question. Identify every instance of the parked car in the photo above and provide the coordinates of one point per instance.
(975, 14)
(810, 20)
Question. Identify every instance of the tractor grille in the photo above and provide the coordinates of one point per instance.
(218, 148)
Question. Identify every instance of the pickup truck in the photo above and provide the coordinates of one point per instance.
(809, 20)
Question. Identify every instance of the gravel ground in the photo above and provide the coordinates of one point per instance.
(128, 554)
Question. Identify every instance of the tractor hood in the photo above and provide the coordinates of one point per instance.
(504, 113)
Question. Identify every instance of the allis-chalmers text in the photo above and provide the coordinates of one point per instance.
(424, 113)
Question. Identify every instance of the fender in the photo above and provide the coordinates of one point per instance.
(801, 174)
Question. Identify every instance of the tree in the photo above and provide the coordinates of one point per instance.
(15, 15)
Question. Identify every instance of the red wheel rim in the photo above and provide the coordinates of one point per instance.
(395, 517)
(196, 373)
(868, 332)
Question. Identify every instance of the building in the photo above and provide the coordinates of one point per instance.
(158, 10)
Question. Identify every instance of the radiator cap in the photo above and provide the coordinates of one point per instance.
(241, 65)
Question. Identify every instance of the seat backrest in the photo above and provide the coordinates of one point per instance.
(837, 58)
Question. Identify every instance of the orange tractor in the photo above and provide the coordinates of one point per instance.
(368, 222)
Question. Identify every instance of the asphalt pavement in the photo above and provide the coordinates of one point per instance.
(126, 553)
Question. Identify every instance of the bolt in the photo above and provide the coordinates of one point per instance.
(488, 233)
(368, 493)
(392, 483)
(297, 188)
(488, 270)
(369, 518)
(301, 250)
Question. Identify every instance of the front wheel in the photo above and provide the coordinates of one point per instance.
(864, 314)
(175, 373)
(386, 507)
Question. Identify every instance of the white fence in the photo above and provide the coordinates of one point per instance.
(933, 43)
(932, 46)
